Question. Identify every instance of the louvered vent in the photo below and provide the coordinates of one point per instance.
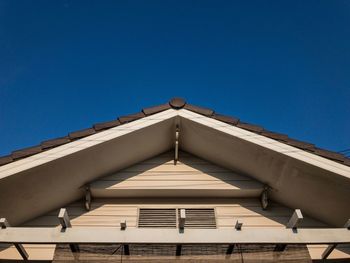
(199, 218)
(163, 218)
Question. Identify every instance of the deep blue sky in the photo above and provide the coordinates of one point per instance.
(65, 65)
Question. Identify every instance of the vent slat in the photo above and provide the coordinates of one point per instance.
(164, 218)
(200, 218)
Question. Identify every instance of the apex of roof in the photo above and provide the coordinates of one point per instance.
(177, 104)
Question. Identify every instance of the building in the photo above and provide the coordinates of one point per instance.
(175, 182)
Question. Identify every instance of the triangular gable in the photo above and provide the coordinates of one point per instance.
(58, 176)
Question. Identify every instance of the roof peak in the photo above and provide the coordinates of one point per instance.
(175, 103)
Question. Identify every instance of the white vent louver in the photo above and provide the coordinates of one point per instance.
(166, 218)
(152, 217)
(199, 218)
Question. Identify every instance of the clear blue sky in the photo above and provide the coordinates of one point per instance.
(65, 65)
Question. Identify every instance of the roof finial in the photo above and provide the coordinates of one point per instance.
(177, 103)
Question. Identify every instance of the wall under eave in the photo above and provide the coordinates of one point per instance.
(295, 178)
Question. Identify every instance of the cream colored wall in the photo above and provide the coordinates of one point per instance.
(190, 177)
(106, 212)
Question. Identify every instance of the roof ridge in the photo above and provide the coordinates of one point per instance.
(175, 103)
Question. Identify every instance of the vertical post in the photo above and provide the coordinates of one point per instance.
(238, 225)
(21, 250)
(293, 223)
(123, 225)
(230, 249)
(126, 250)
(331, 247)
(182, 218)
(178, 250)
(177, 134)
(64, 218)
(65, 223)
(4, 223)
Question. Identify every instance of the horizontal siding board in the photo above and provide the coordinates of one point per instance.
(178, 175)
(176, 185)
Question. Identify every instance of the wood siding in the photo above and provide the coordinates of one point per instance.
(191, 177)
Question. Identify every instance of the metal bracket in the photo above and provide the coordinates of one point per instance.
(21, 250)
(87, 198)
(177, 135)
(264, 198)
(238, 225)
(123, 225)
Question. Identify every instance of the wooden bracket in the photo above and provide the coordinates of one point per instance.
(21, 250)
(331, 247)
(293, 223)
(295, 219)
(65, 223)
(64, 218)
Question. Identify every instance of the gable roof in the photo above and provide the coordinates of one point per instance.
(293, 175)
(175, 103)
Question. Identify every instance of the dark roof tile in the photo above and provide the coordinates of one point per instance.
(300, 144)
(54, 142)
(156, 109)
(106, 125)
(330, 155)
(81, 133)
(250, 127)
(131, 117)
(200, 110)
(347, 161)
(274, 135)
(5, 159)
(227, 119)
(26, 152)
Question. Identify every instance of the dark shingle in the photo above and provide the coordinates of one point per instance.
(81, 133)
(300, 144)
(227, 119)
(330, 155)
(106, 125)
(26, 152)
(131, 117)
(156, 109)
(275, 136)
(5, 159)
(250, 127)
(200, 110)
(54, 142)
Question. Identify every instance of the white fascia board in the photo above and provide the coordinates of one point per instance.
(268, 143)
(84, 143)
